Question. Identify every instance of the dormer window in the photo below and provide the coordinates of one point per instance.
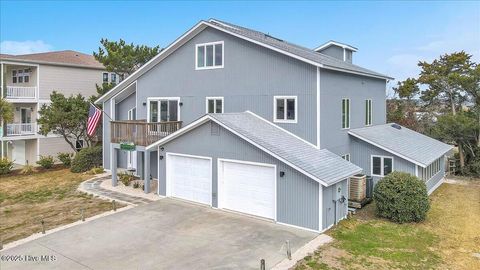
(209, 55)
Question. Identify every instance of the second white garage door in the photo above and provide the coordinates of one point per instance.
(189, 178)
(247, 187)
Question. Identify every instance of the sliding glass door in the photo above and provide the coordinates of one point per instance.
(164, 110)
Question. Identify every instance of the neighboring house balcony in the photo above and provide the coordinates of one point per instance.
(19, 129)
(141, 132)
(21, 92)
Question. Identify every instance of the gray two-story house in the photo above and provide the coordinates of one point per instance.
(240, 120)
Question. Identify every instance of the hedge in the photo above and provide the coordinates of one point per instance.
(87, 159)
(401, 197)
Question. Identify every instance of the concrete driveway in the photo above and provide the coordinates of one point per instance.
(167, 234)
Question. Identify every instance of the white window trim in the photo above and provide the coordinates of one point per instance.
(205, 55)
(150, 99)
(347, 124)
(381, 165)
(346, 156)
(275, 120)
(215, 103)
(369, 112)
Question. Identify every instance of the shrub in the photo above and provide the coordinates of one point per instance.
(96, 170)
(46, 162)
(126, 178)
(401, 197)
(136, 185)
(87, 159)
(6, 165)
(65, 158)
(27, 169)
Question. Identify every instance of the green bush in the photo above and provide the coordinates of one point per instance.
(126, 178)
(401, 197)
(6, 165)
(65, 158)
(46, 162)
(87, 159)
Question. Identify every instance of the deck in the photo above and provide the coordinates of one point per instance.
(141, 132)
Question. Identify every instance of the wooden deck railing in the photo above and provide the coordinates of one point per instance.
(139, 132)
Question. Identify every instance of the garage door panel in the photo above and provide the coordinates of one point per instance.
(190, 178)
(249, 188)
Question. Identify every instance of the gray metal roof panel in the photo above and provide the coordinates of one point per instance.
(303, 52)
(320, 163)
(403, 142)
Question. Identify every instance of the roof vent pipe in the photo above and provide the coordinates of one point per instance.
(397, 126)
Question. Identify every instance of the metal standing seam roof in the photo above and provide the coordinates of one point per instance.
(320, 163)
(306, 53)
(403, 142)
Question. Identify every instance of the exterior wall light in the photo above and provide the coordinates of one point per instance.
(282, 173)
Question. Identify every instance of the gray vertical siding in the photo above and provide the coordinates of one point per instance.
(329, 206)
(361, 153)
(333, 87)
(333, 51)
(121, 113)
(251, 76)
(297, 195)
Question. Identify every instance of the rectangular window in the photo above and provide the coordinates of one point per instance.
(209, 55)
(14, 76)
(78, 144)
(26, 75)
(20, 76)
(345, 113)
(214, 105)
(113, 78)
(368, 112)
(285, 109)
(163, 109)
(381, 165)
(346, 157)
(105, 77)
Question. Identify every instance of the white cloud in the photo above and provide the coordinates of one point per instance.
(24, 47)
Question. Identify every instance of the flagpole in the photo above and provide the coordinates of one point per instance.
(102, 111)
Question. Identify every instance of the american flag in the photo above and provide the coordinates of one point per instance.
(94, 115)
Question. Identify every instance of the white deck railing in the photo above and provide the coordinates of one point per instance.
(21, 92)
(21, 129)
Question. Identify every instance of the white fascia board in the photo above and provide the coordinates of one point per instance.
(330, 43)
(144, 68)
(387, 149)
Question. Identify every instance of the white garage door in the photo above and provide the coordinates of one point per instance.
(248, 188)
(189, 178)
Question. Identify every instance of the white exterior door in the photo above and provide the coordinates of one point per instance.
(189, 178)
(247, 187)
(18, 152)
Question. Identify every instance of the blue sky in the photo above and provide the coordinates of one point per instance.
(391, 36)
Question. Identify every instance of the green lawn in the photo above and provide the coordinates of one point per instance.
(446, 240)
(49, 195)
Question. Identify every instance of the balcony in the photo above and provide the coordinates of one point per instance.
(21, 92)
(141, 133)
(21, 129)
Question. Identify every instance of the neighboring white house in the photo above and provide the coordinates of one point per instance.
(27, 82)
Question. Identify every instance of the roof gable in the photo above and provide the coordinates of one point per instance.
(403, 142)
(319, 164)
(283, 47)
